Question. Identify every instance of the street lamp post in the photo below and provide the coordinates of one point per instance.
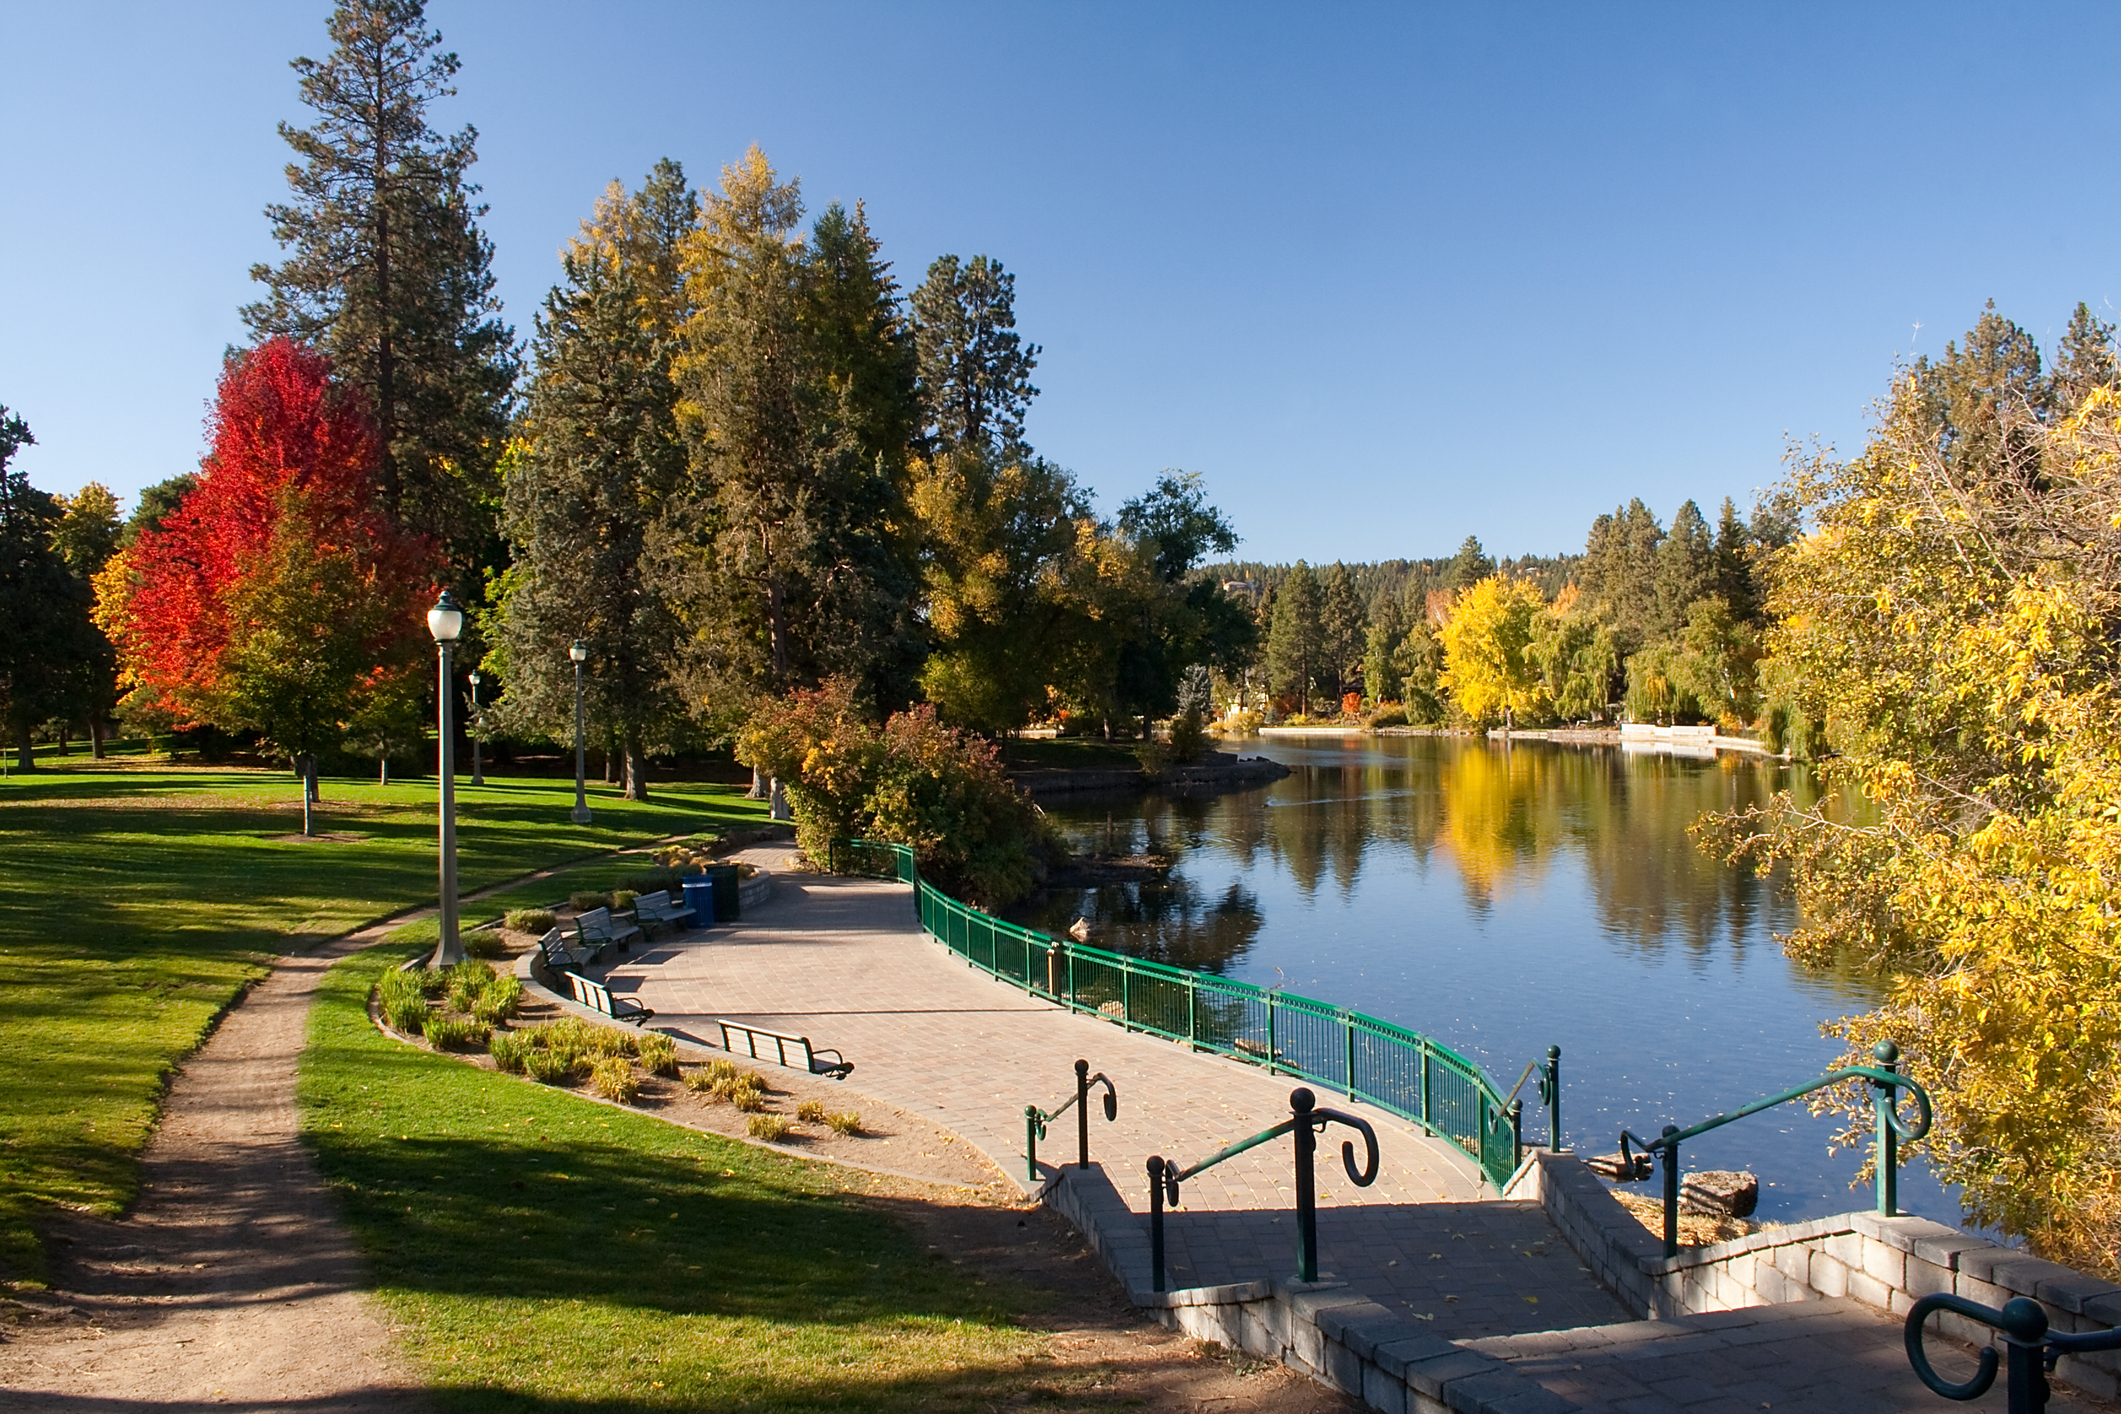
(445, 621)
(478, 724)
(580, 653)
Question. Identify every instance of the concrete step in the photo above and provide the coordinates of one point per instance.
(1809, 1357)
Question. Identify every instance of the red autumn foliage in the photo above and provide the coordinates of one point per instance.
(294, 456)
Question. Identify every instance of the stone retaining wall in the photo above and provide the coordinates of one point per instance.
(1321, 1328)
(1886, 1263)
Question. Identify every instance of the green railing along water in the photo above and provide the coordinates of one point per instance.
(1397, 1070)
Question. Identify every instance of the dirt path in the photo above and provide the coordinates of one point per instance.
(233, 1283)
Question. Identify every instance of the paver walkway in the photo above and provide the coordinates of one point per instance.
(844, 962)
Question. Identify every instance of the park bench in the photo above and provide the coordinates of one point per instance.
(655, 910)
(597, 997)
(761, 1044)
(598, 929)
(563, 959)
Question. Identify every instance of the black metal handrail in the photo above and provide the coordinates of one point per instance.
(1885, 1078)
(1306, 1121)
(1036, 1119)
(2033, 1349)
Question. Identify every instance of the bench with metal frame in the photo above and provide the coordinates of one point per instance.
(563, 959)
(598, 997)
(777, 1047)
(597, 927)
(653, 911)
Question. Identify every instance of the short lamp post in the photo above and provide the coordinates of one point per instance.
(580, 653)
(445, 621)
(478, 724)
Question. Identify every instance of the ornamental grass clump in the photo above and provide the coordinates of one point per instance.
(502, 998)
(403, 998)
(508, 1048)
(457, 1033)
(622, 899)
(614, 1079)
(528, 920)
(847, 1122)
(811, 1112)
(467, 981)
(547, 1067)
(766, 1127)
(659, 1054)
(750, 1098)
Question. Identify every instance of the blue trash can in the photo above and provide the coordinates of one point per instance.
(699, 897)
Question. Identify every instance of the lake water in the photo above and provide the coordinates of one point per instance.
(1504, 899)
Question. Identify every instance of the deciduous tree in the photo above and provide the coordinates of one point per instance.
(1488, 666)
(43, 603)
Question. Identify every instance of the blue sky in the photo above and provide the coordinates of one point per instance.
(1385, 275)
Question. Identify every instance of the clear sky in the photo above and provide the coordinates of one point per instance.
(1386, 275)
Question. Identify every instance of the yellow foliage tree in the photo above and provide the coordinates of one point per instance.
(1488, 666)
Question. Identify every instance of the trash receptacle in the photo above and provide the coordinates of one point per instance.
(699, 897)
(726, 881)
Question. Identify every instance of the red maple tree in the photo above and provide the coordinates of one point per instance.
(277, 594)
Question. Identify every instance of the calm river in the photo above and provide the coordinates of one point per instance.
(1503, 900)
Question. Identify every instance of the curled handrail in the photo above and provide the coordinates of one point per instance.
(2033, 1348)
(1036, 1119)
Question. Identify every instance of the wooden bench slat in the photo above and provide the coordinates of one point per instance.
(813, 1061)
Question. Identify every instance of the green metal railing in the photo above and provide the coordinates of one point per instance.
(1306, 1119)
(1398, 1070)
(1036, 1119)
(1884, 1078)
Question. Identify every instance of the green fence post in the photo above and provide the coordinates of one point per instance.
(1273, 1045)
(1516, 1134)
(1192, 1013)
(1126, 994)
(1425, 1123)
(1347, 1027)
(1885, 1157)
(1031, 1142)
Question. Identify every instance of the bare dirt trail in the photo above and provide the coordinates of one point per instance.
(233, 1284)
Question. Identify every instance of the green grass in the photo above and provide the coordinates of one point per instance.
(538, 1252)
(136, 904)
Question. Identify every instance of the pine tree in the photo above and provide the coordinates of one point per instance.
(43, 603)
(1295, 637)
(1686, 570)
(1469, 566)
(975, 370)
(388, 273)
(1343, 630)
(1734, 565)
(600, 459)
(2084, 360)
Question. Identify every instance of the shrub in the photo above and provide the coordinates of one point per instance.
(457, 1033)
(659, 1054)
(845, 1122)
(468, 981)
(485, 942)
(584, 902)
(1241, 724)
(811, 1112)
(1388, 714)
(614, 1079)
(547, 1067)
(529, 920)
(406, 1014)
(700, 1081)
(748, 1098)
(400, 985)
(622, 899)
(766, 1127)
(508, 1049)
(501, 999)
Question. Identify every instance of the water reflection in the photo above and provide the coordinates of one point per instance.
(1506, 899)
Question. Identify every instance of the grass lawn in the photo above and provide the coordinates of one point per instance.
(543, 1253)
(136, 903)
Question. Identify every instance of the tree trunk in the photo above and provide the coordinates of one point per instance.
(65, 746)
(758, 789)
(304, 771)
(636, 771)
(25, 751)
(382, 770)
(778, 810)
(95, 738)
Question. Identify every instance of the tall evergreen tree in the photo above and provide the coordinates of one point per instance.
(1734, 565)
(600, 458)
(1970, 395)
(1343, 630)
(1686, 570)
(975, 370)
(796, 569)
(388, 272)
(1469, 566)
(43, 603)
(2084, 360)
(1295, 637)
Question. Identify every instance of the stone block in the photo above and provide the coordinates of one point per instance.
(1845, 1248)
(2071, 1290)
(1430, 1376)
(1830, 1276)
(1870, 1291)
(1342, 1368)
(1394, 1357)
(1306, 1346)
(1730, 1293)
(2006, 1267)
(1384, 1392)
(1362, 1326)
(2094, 1381)
(1926, 1278)
(1481, 1393)
(1770, 1284)
(1885, 1262)
(2104, 1310)
(1974, 1288)
(1946, 1248)
(1794, 1262)
(1533, 1399)
(1255, 1335)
